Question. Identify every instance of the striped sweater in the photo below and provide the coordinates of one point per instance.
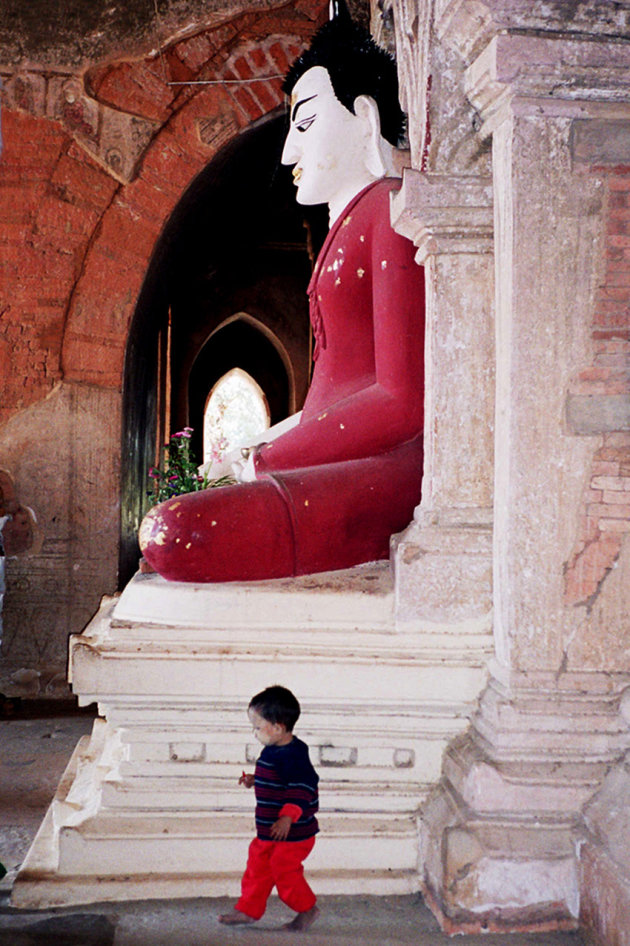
(285, 779)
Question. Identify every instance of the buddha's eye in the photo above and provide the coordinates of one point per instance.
(305, 123)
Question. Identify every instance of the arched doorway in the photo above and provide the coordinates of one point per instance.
(236, 243)
(236, 413)
(239, 343)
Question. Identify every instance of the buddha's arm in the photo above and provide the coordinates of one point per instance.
(389, 409)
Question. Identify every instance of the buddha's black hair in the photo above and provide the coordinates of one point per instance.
(276, 704)
(356, 66)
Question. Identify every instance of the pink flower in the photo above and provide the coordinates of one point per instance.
(154, 473)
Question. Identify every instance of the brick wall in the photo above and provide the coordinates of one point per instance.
(93, 165)
(599, 402)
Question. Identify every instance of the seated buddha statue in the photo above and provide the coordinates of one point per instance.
(328, 490)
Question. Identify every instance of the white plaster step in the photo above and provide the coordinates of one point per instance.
(290, 610)
(215, 844)
(315, 600)
(202, 794)
(220, 672)
(35, 889)
(79, 856)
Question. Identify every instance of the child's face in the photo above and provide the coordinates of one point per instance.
(269, 734)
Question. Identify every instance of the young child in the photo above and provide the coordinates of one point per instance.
(285, 784)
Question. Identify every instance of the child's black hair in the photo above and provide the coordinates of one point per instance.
(276, 704)
(356, 66)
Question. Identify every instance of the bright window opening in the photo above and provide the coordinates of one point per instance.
(236, 412)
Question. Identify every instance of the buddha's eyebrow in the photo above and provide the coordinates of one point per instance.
(301, 102)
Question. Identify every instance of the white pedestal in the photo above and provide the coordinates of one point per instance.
(150, 805)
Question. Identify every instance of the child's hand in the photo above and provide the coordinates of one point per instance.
(280, 830)
(247, 780)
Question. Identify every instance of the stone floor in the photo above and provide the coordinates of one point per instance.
(34, 748)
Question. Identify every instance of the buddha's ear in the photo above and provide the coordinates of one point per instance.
(366, 110)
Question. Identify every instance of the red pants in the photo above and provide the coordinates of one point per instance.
(279, 864)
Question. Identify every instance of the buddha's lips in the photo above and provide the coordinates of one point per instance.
(297, 174)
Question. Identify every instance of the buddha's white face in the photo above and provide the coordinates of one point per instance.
(326, 142)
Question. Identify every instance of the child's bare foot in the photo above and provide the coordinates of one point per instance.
(236, 918)
(303, 921)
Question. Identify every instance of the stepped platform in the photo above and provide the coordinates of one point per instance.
(150, 806)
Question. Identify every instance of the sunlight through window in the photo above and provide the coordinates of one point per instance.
(236, 412)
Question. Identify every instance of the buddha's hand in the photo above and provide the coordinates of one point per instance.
(243, 468)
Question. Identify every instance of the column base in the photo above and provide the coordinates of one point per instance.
(500, 834)
(605, 859)
(443, 569)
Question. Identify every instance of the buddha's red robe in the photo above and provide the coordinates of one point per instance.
(330, 492)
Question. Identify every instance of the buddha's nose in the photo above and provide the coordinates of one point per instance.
(290, 152)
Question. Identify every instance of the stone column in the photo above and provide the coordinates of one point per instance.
(442, 561)
(501, 833)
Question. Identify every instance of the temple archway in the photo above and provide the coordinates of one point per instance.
(236, 243)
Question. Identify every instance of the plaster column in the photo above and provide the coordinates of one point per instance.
(501, 833)
(443, 560)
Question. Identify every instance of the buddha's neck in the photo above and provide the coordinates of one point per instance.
(340, 201)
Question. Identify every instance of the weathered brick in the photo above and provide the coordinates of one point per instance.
(614, 497)
(258, 57)
(242, 68)
(20, 201)
(613, 483)
(124, 238)
(62, 225)
(612, 451)
(589, 567)
(248, 104)
(617, 439)
(618, 239)
(138, 88)
(280, 58)
(148, 201)
(612, 314)
(79, 180)
(618, 279)
(266, 95)
(93, 360)
(594, 496)
(615, 293)
(194, 52)
(619, 183)
(615, 525)
(613, 361)
(619, 200)
(609, 511)
(605, 468)
(32, 146)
